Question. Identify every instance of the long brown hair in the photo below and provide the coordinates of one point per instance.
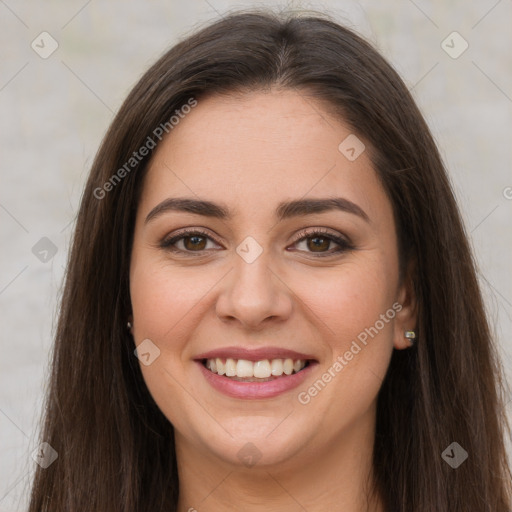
(116, 448)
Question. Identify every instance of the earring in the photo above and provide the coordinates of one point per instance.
(129, 326)
(411, 336)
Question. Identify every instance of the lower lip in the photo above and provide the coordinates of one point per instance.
(255, 390)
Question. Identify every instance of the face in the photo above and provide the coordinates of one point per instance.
(285, 248)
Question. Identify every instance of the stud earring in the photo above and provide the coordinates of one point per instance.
(411, 336)
(129, 326)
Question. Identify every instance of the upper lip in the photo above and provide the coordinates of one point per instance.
(255, 354)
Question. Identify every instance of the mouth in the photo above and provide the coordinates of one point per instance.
(264, 370)
(254, 374)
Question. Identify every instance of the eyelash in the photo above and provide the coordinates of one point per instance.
(344, 245)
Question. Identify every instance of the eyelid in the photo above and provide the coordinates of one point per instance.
(307, 232)
(167, 241)
(341, 240)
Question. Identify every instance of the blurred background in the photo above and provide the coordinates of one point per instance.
(65, 68)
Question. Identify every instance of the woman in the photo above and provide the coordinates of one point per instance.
(271, 303)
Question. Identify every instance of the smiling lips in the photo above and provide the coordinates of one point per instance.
(261, 363)
(257, 373)
(245, 370)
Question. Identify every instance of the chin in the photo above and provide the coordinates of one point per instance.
(264, 442)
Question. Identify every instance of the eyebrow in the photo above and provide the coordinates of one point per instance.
(285, 210)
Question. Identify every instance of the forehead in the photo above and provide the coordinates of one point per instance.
(251, 151)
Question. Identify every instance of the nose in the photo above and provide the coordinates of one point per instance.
(253, 295)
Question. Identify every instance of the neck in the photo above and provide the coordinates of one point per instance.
(336, 477)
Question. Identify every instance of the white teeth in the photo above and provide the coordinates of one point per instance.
(230, 368)
(244, 368)
(264, 369)
(288, 366)
(276, 367)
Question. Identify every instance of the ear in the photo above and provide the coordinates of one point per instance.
(406, 318)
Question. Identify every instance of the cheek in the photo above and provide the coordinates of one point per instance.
(349, 299)
(165, 305)
(357, 306)
(353, 307)
(164, 299)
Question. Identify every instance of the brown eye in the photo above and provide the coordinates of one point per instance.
(194, 242)
(188, 242)
(318, 243)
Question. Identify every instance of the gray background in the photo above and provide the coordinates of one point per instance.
(54, 112)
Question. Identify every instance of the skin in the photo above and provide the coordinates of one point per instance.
(249, 152)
